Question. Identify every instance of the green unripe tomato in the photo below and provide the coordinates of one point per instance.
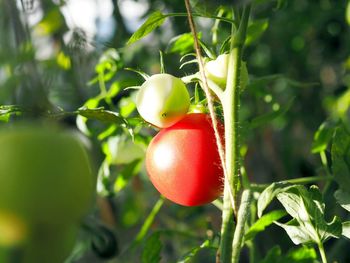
(163, 100)
(45, 175)
(217, 71)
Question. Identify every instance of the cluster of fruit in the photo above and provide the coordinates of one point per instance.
(182, 160)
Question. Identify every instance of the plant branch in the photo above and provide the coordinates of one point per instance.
(322, 252)
(242, 217)
(301, 180)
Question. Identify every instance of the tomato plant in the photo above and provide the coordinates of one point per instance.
(163, 100)
(286, 151)
(183, 161)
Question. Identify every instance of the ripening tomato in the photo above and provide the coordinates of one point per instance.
(183, 162)
(162, 100)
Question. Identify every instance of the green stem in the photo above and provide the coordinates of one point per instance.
(230, 104)
(322, 252)
(149, 220)
(242, 218)
(302, 180)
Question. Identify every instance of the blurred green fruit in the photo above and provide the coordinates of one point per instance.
(45, 175)
(49, 243)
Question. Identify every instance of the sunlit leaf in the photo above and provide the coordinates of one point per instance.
(346, 229)
(322, 137)
(181, 44)
(155, 20)
(343, 199)
(302, 254)
(307, 209)
(263, 222)
(102, 115)
(268, 195)
(124, 176)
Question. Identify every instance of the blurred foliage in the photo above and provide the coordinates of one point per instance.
(298, 59)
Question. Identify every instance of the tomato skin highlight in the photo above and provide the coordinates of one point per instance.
(183, 162)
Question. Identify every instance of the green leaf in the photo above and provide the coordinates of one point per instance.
(301, 255)
(341, 157)
(268, 195)
(155, 20)
(296, 255)
(295, 232)
(149, 220)
(126, 174)
(127, 106)
(207, 50)
(193, 252)
(255, 30)
(346, 229)
(141, 73)
(102, 115)
(343, 199)
(181, 44)
(263, 222)
(322, 137)
(307, 209)
(151, 251)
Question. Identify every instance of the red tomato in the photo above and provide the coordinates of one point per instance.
(183, 162)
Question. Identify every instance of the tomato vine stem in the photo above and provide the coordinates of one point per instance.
(206, 88)
(231, 236)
